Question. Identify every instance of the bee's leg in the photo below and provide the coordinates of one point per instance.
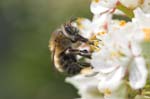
(76, 67)
(83, 53)
(84, 64)
(84, 40)
(73, 68)
(81, 38)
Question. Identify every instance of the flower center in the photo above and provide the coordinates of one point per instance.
(122, 23)
(101, 33)
(146, 34)
(95, 45)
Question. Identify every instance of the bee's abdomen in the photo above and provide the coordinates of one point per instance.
(72, 68)
(69, 64)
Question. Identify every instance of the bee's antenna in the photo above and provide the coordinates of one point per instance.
(72, 19)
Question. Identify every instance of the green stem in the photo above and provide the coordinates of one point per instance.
(127, 11)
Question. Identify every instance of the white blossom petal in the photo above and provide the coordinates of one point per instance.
(112, 81)
(101, 63)
(87, 86)
(136, 49)
(146, 6)
(142, 19)
(138, 73)
(100, 6)
(131, 3)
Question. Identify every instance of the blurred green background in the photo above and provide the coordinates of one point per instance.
(25, 27)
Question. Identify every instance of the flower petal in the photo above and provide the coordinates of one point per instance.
(87, 86)
(102, 6)
(101, 63)
(84, 25)
(112, 81)
(138, 73)
(97, 8)
(136, 49)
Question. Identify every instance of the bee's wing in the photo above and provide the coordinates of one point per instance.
(53, 69)
(52, 48)
(52, 56)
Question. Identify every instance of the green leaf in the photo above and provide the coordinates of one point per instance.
(127, 11)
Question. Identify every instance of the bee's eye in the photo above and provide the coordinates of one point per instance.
(71, 30)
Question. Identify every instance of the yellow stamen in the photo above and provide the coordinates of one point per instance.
(114, 54)
(101, 33)
(146, 34)
(93, 37)
(94, 48)
(122, 23)
(95, 45)
(96, 42)
(107, 91)
(117, 54)
(96, 1)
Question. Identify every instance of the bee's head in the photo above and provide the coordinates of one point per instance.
(70, 31)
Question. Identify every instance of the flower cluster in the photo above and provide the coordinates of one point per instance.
(119, 69)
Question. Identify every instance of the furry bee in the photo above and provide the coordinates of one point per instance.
(63, 46)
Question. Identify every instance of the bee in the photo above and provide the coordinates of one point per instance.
(63, 46)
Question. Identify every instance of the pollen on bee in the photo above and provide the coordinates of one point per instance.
(122, 23)
(146, 34)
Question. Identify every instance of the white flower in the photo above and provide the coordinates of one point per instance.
(87, 86)
(118, 56)
(89, 28)
(142, 22)
(138, 73)
(141, 18)
(84, 25)
(101, 22)
(101, 6)
(146, 6)
(110, 81)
